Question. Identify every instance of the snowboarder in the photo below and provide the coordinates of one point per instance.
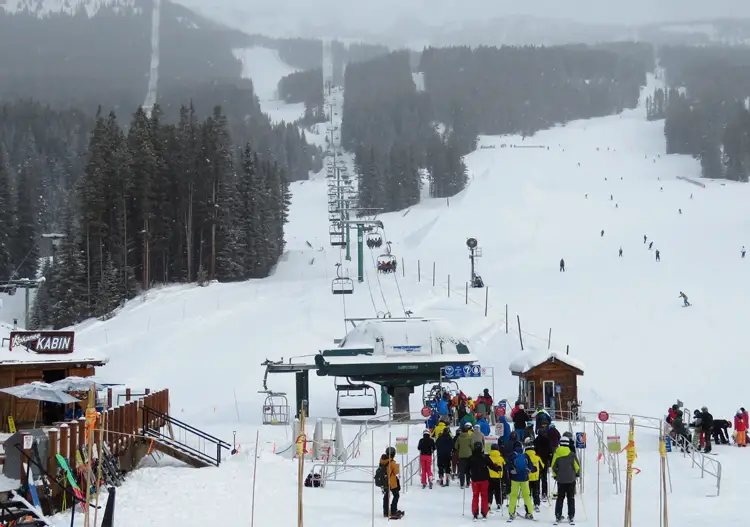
(562, 265)
(645, 238)
(650, 245)
(743, 251)
(565, 470)
(479, 467)
(684, 299)
(426, 448)
(392, 488)
(620, 252)
(658, 257)
(520, 466)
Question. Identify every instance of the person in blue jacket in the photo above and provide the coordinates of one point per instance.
(484, 426)
(504, 435)
(442, 406)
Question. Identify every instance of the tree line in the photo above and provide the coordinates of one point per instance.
(305, 87)
(705, 108)
(390, 127)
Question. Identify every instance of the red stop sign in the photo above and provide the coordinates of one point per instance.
(603, 416)
(426, 411)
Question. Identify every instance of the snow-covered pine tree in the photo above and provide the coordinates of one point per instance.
(25, 249)
(67, 294)
(6, 220)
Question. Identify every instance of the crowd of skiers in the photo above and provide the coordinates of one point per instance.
(705, 428)
(518, 464)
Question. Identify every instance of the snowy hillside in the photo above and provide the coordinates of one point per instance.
(528, 207)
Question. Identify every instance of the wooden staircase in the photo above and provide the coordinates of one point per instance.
(181, 441)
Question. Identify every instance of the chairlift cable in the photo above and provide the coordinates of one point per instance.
(380, 286)
(395, 275)
(369, 289)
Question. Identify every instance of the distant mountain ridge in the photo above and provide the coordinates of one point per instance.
(43, 8)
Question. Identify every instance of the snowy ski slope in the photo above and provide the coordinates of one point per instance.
(620, 316)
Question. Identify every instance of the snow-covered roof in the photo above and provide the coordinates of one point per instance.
(532, 358)
(415, 337)
(19, 355)
(385, 359)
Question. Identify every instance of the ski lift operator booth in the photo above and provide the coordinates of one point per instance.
(549, 379)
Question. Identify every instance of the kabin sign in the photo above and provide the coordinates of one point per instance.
(45, 342)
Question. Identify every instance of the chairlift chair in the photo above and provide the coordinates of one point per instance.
(275, 409)
(374, 240)
(387, 263)
(355, 400)
(341, 285)
(337, 239)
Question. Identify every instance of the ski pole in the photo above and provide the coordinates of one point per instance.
(463, 506)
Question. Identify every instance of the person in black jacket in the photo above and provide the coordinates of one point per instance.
(479, 465)
(426, 448)
(520, 420)
(444, 447)
(544, 451)
(707, 424)
(721, 436)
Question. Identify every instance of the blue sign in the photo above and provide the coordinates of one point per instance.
(504, 404)
(408, 349)
(669, 444)
(580, 440)
(459, 371)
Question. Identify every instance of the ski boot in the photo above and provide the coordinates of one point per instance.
(536, 508)
(424, 485)
(529, 516)
(430, 484)
(558, 519)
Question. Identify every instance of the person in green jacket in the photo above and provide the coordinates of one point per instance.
(565, 470)
(464, 447)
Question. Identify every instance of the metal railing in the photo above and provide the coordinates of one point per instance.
(183, 437)
(707, 464)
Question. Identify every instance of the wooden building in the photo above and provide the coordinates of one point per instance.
(52, 361)
(548, 378)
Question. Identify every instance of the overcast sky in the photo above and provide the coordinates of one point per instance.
(627, 11)
(307, 17)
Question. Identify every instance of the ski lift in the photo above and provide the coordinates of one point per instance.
(374, 240)
(437, 391)
(341, 285)
(387, 263)
(354, 400)
(337, 238)
(275, 408)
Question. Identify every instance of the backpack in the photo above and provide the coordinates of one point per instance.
(520, 465)
(381, 477)
(314, 480)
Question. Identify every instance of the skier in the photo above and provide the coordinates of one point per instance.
(520, 466)
(519, 421)
(478, 435)
(479, 466)
(465, 447)
(484, 426)
(565, 470)
(444, 448)
(544, 451)
(740, 428)
(602, 233)
(721, 437)
(658, 257)
(611, 197)
(426, 448)
(680, 211)
(554, 436)
(650, 245)
(684, 299)
(534, 476)
(620, 252)
(586, 196)
(691, 196)
(743, 251)
(496, 476)
(543, 419)
(678, 426)
(392, 489)
(562, 265)
(645, 238)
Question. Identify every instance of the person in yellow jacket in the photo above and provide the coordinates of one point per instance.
(438, 430)
(496, 477)
(534, 483)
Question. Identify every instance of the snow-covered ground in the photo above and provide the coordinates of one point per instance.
(264, 67)
(528, 207)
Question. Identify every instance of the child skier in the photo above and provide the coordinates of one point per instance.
(426, 448)
(496, 487)
(520, 466)
(534, 483)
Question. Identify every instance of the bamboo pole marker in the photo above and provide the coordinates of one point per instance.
(301, 473)
(255, 472)
(631, 456)
(99, 450)
(663, 455)
(372, 445)
(89, 436)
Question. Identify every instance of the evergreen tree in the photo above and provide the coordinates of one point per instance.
(6, 222)
(68, 292)
(42, 309)
(25, 247)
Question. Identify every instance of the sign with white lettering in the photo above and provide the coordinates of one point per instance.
(46, 342)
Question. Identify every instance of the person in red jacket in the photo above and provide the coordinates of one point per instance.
(740, 426)
(672, 413)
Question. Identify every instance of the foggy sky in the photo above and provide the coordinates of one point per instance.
(386, 12)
